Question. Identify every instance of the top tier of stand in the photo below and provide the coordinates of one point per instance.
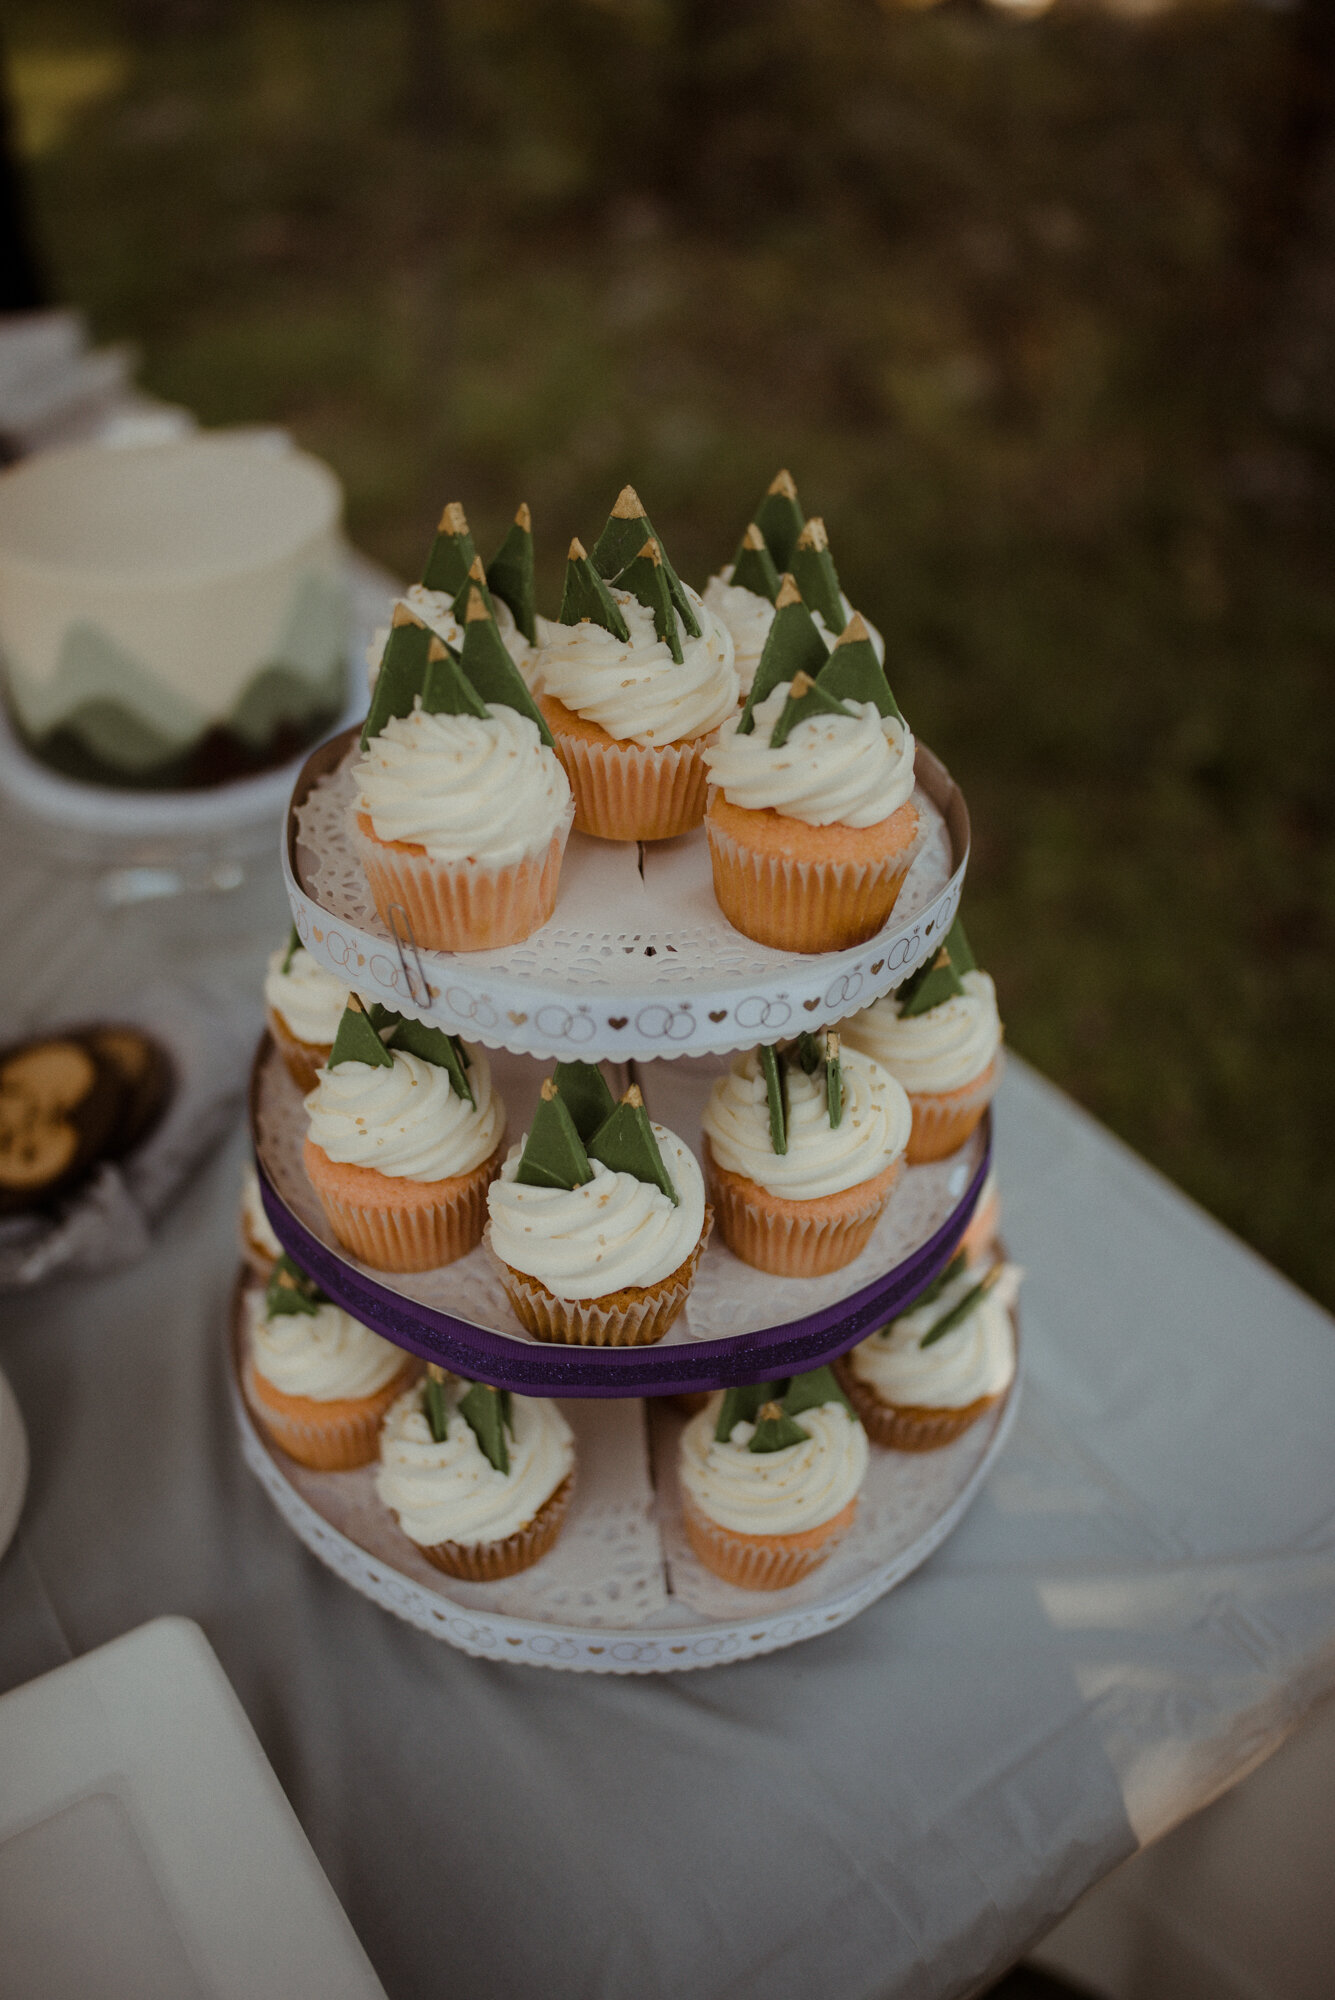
(638, 961)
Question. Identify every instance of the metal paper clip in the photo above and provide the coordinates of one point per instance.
(418, 990)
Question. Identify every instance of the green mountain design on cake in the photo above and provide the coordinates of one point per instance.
(108, 718)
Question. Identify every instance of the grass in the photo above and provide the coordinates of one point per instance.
(1004, 296)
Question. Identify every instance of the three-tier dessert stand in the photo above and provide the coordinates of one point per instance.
(640, 970)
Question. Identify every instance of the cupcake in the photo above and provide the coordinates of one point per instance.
(303, 1005)
(453, 561)
(597, 1240)
(259, 1246)
(811, 822)
(921, 1381)
(980, 1235)
(633, 680)
(477, 1478)
(317, 1381)
(770, 1477)
(743, 593)
(802, 1148)
(939, 1034)
(463, 809)
(404, 1141)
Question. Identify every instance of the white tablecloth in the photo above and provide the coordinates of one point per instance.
(1140, 1605)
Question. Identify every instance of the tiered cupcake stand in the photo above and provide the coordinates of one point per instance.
(639, 969)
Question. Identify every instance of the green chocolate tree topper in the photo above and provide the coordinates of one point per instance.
(488, 668)
(626, 1144)
(586, 1094)
(357, 1039)
(753, 567)
(628, 529)
(553, 1155)
(939, 978)
(446, 690)
(794, 646)
(586, 598)
(811, 1054)
(780, 520)
(774, 1407)
(814, 573)
(510, 574)
(402, 672)
(291, 1290)
(452, 552)
(645, 577)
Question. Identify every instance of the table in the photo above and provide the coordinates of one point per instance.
(1140, 1606)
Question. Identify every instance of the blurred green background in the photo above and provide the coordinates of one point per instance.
(1041, 314)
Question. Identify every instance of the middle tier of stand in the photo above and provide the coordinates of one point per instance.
(740, 1324)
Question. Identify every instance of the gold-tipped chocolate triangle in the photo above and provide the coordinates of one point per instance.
(813, 535)
(801, 682)
(853, 633)
(753, 539)
(652, 550)
(634, 1096)
(523, 519)
(476, 605)
(549, 1090)
(788, 592)
(453, 521)
(577, 551)
(783, 482)
(404, 615)
(627, 506)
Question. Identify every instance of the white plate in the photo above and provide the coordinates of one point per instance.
(13, 1464)
(622, 1592)
(146, 1849)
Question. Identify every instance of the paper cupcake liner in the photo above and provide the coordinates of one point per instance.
(302, 1060)
(795, 1239)
(980, 1236)
(796, 905)
(326, 1437)
(418, 1226)
(259, 1262)
(762, 1562)
(905, 1426)
(460, 905)
(636, 1316)
(624, 791)
(488, 1562)
(944, 1119)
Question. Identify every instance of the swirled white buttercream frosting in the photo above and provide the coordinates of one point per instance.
(464, 787)
(774, 1492)
(749, 616)
(451, 1492)
(942, 1049)
(585, 1242)
(821, 1158)
(326, 1355)
(975, 1359)
(406, 1121)
(435, 608)
(634, 689)
(309, 999)
(845, 770)
(255, 1224)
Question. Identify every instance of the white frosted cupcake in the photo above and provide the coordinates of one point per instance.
(763, 1519)
(609, 1263)
(461, 823)
(921, 1381)
(317, 1380)
(947, 1054)
(468, 1516)
(632, 695)
(811, 1208)
(401, 1158)
(259, 1246)
(303, 1005)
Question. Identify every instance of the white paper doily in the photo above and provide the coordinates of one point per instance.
(622, 1592)
(729, 1298)
(638, 960)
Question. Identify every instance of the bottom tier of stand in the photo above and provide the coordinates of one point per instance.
(622, 1592)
